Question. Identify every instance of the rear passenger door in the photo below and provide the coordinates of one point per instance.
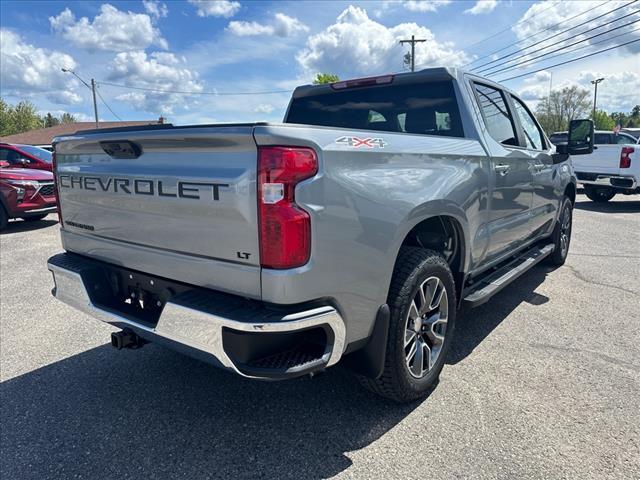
(511, 191)
(534, 144)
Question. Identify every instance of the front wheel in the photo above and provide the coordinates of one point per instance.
(422, 300)
(562, 234)
(599, 194)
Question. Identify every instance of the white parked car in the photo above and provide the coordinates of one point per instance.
(613, 167)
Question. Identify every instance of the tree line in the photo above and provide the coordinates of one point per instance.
(556, 111)
(23, 117)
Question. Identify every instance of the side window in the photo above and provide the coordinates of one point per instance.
(10, 156)
(624, 139)
(496, 114)
(602, 139)
(532, 133)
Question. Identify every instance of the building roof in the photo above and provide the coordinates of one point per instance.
(44, 136)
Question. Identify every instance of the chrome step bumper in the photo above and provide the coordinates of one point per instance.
(195, 320)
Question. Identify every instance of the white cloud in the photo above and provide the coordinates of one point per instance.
(554, 20)
(155, 8)
(613, 93)
(111, 29)
(216, 8)
(482, 6)
(282, 26)
(535, 87)
(26, 70)
(425, 5)
(160, 71)
(245, 29)
(264, 108)
(358, 45)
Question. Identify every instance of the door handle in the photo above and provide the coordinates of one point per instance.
(539, 166)
(502, 169)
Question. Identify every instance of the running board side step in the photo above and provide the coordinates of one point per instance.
(488, 286)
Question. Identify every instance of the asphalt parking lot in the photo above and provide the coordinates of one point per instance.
(543, 382)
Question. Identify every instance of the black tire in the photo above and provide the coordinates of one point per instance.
(35, 218)
(414, 268)
(599, 194)
(562, 234)
(4, 218)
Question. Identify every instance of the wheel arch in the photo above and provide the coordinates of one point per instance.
(570, 191)
(424, 229)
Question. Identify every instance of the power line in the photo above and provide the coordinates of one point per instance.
(508, 28)
(556, 50)
(534, 34)
(580, 48)
(478, 69)
(569, 61)
(107, 105)
(187, 92)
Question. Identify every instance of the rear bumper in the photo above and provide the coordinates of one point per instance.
(608, 180)
(212, 327)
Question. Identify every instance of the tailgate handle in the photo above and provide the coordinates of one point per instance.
(121, 149)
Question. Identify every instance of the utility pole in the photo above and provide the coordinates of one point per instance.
(413, 42)
(595, 95)
(91, 87)
(95, 104)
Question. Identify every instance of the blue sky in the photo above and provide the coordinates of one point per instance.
(228, 47)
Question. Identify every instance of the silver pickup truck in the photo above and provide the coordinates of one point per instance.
(353, 232)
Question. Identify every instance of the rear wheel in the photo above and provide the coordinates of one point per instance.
(35, 218)
(562, 234)
(599, 194)
(422, 300)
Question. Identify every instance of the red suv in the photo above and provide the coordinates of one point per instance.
(25, 193)
(25, 156)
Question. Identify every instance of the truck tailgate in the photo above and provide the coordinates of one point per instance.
(189, 192)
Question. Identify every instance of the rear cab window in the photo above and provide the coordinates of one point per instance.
(425, 108)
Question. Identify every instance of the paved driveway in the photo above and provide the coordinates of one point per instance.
(544, 382)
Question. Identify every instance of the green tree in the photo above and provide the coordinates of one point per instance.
(556, 111)
(50, 121)
(6, 127)
(24, 117)
(68, 118)
(633, 119)
(603, 121)
(323, 78)
(620, 118)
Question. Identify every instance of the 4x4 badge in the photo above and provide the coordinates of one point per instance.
(356, 142)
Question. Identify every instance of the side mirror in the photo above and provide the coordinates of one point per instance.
(4, 163)
(580, 137)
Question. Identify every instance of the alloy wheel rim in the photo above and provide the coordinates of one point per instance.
(425, 327)
(565, 231)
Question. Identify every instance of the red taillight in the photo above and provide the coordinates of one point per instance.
(625, 157)
(285, 228)
(54, 169)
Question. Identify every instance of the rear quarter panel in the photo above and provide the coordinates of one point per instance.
(363, 203)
